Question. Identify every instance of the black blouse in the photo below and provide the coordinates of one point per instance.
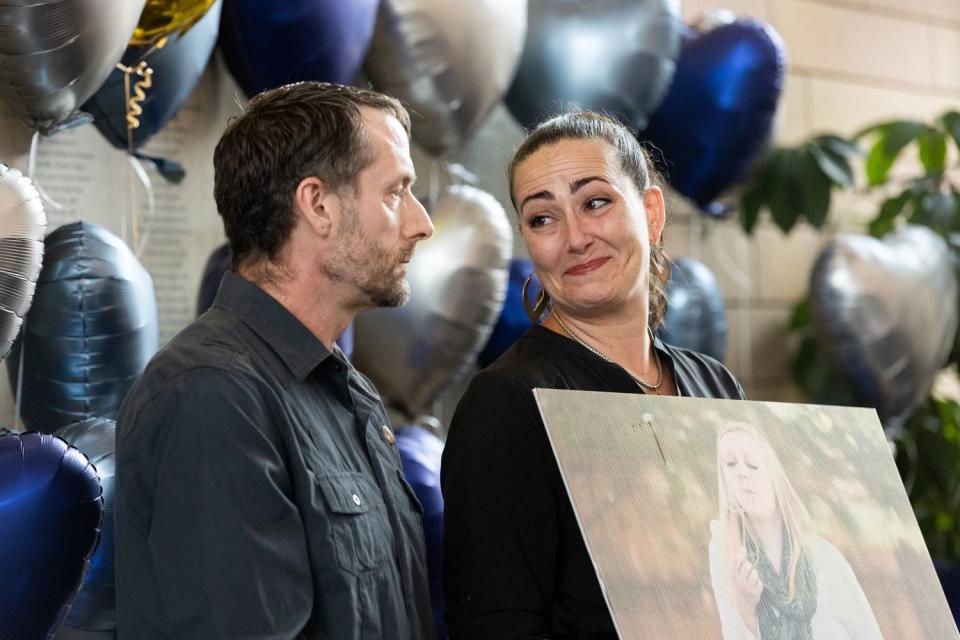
(515, 562)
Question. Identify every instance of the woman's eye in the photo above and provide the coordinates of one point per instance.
(538, 221)
(753, 466)
(596, 203)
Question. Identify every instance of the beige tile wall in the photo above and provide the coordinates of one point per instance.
(852, 63)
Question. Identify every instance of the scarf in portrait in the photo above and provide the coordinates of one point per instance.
(778, 616)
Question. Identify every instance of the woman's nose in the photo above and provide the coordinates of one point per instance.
(578, 238)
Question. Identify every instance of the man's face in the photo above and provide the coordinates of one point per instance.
(381, 221)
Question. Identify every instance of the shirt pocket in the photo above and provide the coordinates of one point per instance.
(350, 497)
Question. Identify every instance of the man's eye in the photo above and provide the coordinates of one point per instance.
(596, 203)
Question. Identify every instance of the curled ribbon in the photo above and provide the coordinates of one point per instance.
(136, 95)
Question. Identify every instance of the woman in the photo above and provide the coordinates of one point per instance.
(772, 577)
(591, 218)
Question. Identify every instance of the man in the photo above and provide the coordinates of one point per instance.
(259, 491)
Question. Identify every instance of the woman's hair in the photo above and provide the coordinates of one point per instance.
(635, 163)
(792, 513)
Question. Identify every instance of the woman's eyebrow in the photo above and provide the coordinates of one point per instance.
(539, 195)
(577, 184)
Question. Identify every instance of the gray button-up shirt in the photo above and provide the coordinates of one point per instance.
(257, 494)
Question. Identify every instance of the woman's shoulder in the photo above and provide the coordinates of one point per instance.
(703, 375)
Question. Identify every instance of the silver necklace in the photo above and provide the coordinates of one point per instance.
(656, 356)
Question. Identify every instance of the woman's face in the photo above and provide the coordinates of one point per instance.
(746, 475)
(587, 228)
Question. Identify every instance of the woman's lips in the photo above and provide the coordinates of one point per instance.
(586, 267)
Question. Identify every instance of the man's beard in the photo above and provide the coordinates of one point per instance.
(369, 266)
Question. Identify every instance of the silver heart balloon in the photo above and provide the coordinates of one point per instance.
(886, 311)
(450, 62)
(94, 611)
(458, 282)
(54, 54)
(22, 225)
(616, 56)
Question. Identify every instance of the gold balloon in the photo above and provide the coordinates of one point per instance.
(162, 18)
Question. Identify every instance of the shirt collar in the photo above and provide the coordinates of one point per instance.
(290, 339)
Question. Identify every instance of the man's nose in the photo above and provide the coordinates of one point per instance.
(419, 226)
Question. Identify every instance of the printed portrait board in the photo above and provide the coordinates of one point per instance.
(740, 520)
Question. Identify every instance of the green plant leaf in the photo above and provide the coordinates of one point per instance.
(833, 165)
(901, 133)
(840, 146)
(750, 203)
(801, 316)
(933, 150)
(951, 124)
(892, 137)
(816, 187)
(785, 196)
(889, 210)
(878, 164)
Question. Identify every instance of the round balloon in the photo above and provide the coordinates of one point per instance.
(696, 316)
(55, 53)
(458, 281)
(269, 43)
(420, 452)
(95, 608)
(450, 62)
(50, 509)
(22, 225)
(719, 110)
(165, 18)
(91, 330)
(886, 313)
(513, 321)
(615, 56)
(174, 72)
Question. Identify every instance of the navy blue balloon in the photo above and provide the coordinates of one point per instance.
(90, 332)
(696, 315)
(269, 43)
(718, 112)
(513, 321)
(219, 263)
(177, 68)
(420, 453)
(50, 510)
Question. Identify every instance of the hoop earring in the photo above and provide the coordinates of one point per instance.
(539, 306)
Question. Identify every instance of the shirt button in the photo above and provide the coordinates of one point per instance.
(388, 435)
(356, 500)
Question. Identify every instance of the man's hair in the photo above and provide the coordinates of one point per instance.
(634, 162)
(285, 135)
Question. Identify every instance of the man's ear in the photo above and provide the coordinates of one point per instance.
(316, 205)
(656, 212)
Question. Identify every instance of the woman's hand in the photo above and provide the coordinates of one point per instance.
(747, 586)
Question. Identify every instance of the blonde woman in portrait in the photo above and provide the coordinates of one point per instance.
(772, 577)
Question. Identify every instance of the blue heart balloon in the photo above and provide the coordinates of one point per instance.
(718, 112)
(177, 68)
(696, 315)
(50, 510)
(420, 453)
(513, 321)
(269, 43)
